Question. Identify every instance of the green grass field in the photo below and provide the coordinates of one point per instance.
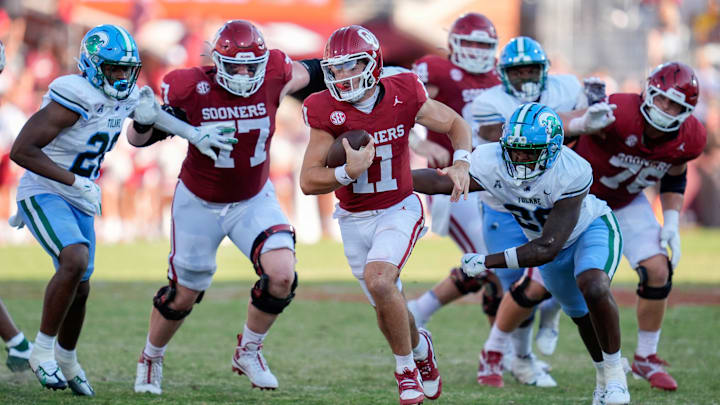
(329, 351)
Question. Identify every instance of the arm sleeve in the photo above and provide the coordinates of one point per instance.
(317, 80)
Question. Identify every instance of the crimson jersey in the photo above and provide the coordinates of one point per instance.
(388, 180)
(240, 174)
(456, 87)
(622, 165)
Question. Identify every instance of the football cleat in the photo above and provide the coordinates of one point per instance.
(616, 393)
(18, 356)
(527, 371)
(149, 374)
(50, 376)
(431, 381)
(652, 368)
(546, 340)
(410, 387)
(80, 385)
(250, 361)
(599, 395)
(490, 369)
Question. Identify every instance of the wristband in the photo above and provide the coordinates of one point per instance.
(511, 259)
(342, 177)
(461, 155)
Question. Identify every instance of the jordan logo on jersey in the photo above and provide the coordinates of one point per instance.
(397, 101)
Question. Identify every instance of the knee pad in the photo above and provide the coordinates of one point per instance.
(265, 302)
(464, 283)
(518, 294)
(653, 293)
(490, 299)
(260, 240)
(165, 296)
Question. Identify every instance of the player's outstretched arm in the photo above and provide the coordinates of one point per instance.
(436, 181)
(316, 178)
(39, 131)
(557, 229)
(588, 121)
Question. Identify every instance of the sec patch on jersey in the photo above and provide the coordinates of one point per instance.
(356, 138)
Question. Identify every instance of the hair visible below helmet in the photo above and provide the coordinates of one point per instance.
(346, 47)
(676, 81)
(473, 27)
(523, 51)
(110, 45)
(537, 130)
(240, 43)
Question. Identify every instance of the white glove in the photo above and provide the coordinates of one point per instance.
(210, 136)
(595, 118)
(669, 236)
(473, 264)
(147, 109)
(16, 221)
(89, 191)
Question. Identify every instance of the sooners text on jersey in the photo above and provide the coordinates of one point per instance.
(456, 87)
(388, 180)
(622, 165)
(240, 174)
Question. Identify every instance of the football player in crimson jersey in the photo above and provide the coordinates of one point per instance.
(652, 138)
(380, 217)
(455, 81)
(228, 194)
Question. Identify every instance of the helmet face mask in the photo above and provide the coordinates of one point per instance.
(240, 57)
(673, 84)
(110, 48)
(352, 63)
(531, 141)
(520, 52)
(472, 43)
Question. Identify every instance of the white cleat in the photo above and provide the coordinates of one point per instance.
(546, 340)
(149, 374)
(50, 376)
(599, 395)
(527, 371)
(616, 393)
(250, 361)
(420, 322)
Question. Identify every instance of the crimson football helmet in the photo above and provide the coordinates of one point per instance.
(473, 27)
(240, 56)
(676, 81)
(346, 48)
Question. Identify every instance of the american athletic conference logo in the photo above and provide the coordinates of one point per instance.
(203, 87)
(337, 117)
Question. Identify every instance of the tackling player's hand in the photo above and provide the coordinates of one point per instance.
(357, 161)
(670, 236)
(595, 118)
(89, 191)
(147, 108)
(207, 137)
(460, 177)
(473, 265)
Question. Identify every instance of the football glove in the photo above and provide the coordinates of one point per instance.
(147, 109)
(207, 137)
(595, 118)
(89, 191)
(473, 265)
(670, 237)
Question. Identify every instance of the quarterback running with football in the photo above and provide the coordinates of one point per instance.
(455, 81)
(573, 236)
(652, 138)
(380, 217)
(228, 194)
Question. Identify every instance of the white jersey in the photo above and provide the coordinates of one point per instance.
(531, 201)
(496, 106)
(81, 147)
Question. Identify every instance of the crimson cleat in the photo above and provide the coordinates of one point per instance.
(490, 369)
(410, 387)
(431, 381)
(652, 368)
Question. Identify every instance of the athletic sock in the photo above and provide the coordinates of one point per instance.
(67, 360)
(522, 341)
(43, 350)
(153, 351)
(251, 337)
(599, 373)
(647, 342)
(550, 314)
(420, 352)
(404, 362)
(497, 341)
(16, 340)
(427, 305)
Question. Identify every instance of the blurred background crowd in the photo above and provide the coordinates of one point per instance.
(617, 40)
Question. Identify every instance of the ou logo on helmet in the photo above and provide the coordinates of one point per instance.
(369, 38)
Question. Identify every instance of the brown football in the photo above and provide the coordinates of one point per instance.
(336, 154)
